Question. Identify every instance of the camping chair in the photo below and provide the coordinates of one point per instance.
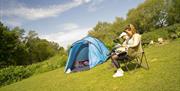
(137, 59)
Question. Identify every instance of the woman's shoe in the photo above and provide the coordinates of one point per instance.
(119, 73)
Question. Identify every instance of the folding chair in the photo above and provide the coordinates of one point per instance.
(138, 60)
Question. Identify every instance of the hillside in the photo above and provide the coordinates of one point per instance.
(163, 75)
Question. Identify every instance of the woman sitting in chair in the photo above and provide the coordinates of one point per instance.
(132, 44)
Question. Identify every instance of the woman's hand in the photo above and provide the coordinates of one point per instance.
(126, 47)
(118, 45)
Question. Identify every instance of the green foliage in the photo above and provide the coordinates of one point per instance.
(153, 19)
(154, 35)
(108, 32)
(103, 32)
(118, 26)
(154, 14)
(170, 32)
(13, 74)
(17, 49)
(146, 15)
(40, 49)
(9, 43)
(173, 11)
(174, 31)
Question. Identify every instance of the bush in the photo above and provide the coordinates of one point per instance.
(170, 32)
(51, 64)
(174, 31)
(13, 74)
(154, 35)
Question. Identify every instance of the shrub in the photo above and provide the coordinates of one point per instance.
(154, 35)
(13, 74)
(147, 37)
(174, 31)
(170, 32)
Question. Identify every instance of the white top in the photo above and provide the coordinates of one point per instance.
(122, 34)
(134, 45)
(134, 40)
(126, 36)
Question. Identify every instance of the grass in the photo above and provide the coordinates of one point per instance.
(163, 75)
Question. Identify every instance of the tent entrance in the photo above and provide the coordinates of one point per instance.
(81, 61)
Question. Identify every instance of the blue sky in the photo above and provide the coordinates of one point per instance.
(62, 21)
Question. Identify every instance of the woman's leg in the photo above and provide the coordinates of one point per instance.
(115, 62)
(119, 71)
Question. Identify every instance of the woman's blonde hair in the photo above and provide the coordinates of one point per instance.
(131, 27)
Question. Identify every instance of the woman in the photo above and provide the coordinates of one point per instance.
(132, 44)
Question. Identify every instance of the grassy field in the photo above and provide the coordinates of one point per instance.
(163, 75)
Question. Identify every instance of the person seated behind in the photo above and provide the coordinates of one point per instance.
(131, 44)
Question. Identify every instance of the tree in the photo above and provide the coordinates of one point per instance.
(103, 31)
(173, 11)
(17, 49)
(118, 26)
(9, 42)
(146, 15)
(19, 32)
(40, 49)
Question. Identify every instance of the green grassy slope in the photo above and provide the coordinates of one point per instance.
(163, 75)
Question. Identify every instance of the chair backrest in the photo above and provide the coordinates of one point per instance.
(133, 52)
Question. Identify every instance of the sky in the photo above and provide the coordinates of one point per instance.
(62, 21)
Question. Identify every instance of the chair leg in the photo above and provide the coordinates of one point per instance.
(146, 61)
(137, 63)
(141, 59)
(126, 65)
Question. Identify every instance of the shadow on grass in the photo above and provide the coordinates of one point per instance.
(131, 67)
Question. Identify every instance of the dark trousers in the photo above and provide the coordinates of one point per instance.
(116, 63)
(121, 56)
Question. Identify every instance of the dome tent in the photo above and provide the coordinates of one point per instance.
(88, 48)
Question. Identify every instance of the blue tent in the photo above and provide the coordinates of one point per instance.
(88, 48)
